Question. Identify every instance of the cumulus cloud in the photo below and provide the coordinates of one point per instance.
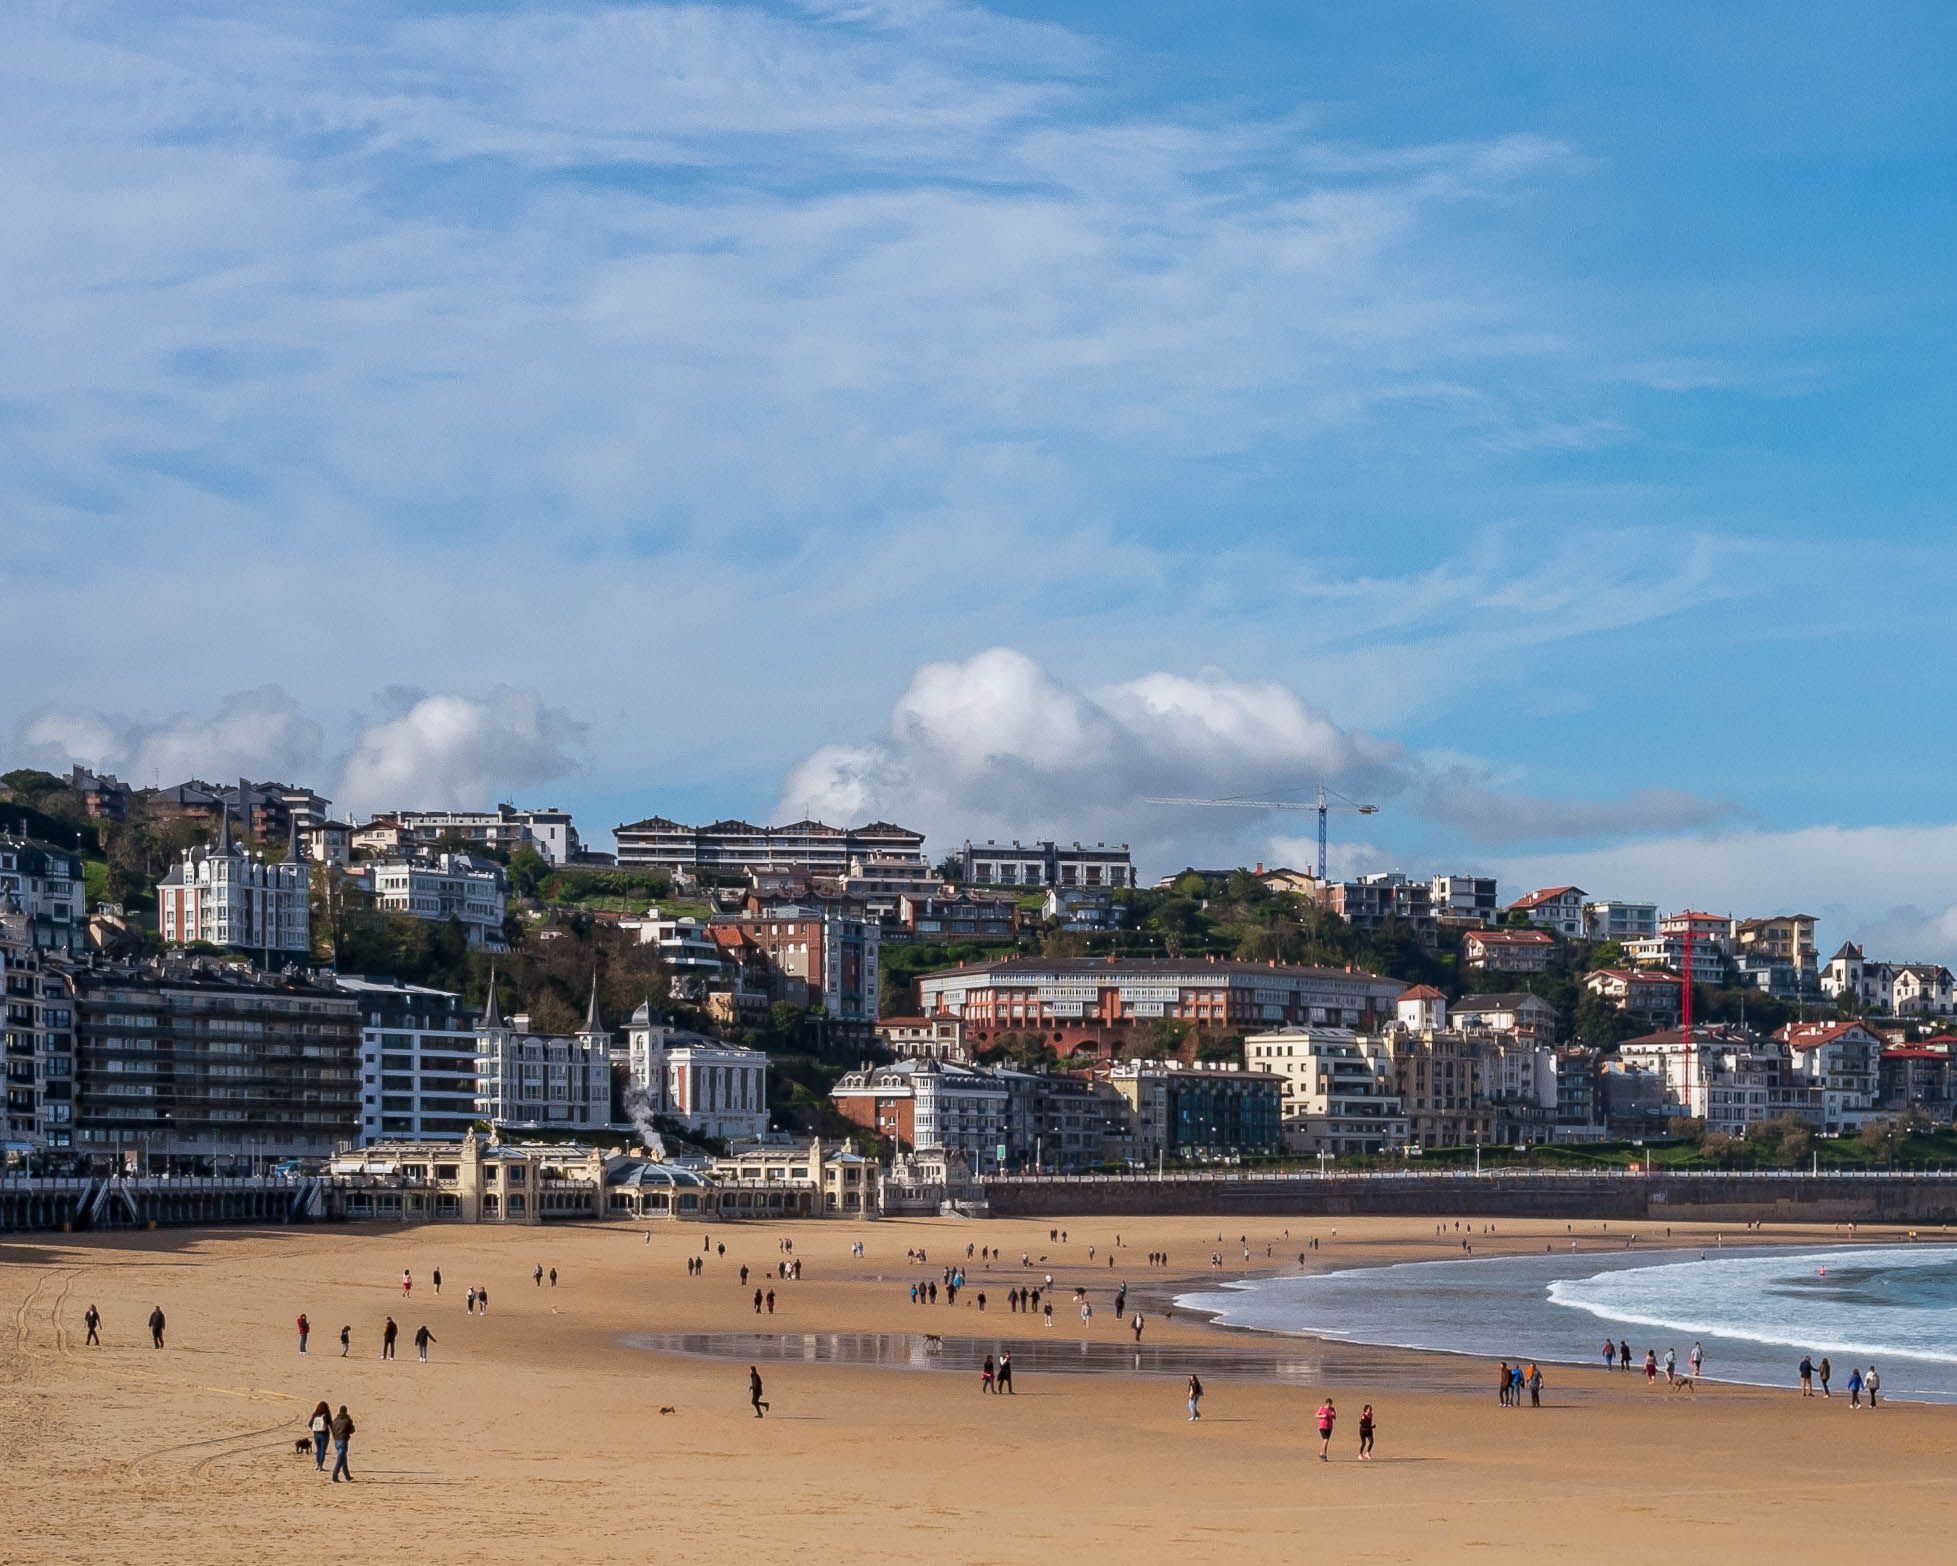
(449, 750)
(260, 733)
(996, 745)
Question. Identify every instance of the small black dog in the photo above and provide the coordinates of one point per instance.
(303, 1446)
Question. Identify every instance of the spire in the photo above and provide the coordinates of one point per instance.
(591, 1023)
(223, 826)
(491, 1017)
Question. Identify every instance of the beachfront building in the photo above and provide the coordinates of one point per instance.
(417, 1061)
(227, 896)
(485, 1179)
(706, 1085)
(37, 1038)
(206, 1065)
(790, 1178)
(1919, 1079)
(1204, 1110)
(1033, 866)
(1340, 1092)
(47, 890)
(1508, 950)
(528, 1079)
(1557, 909)
(929, 1103)
(1086, 1004)
(1844, 1061)
(1524, 1089)
(1442, 1077)
(732, 849)
(1726, 1077)
(444, 886)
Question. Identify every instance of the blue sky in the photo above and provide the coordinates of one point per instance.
(1532, 417)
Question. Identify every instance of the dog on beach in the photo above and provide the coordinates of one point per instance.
(303, 1447)
(669, 1409)
(933, 1344)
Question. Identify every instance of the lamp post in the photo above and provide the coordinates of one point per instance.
(1477, 1152)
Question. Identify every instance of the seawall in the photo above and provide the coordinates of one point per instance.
(1893, 1198)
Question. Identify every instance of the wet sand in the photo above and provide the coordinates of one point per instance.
(536, 1432)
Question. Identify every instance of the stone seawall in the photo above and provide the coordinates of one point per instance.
(1711, 1198)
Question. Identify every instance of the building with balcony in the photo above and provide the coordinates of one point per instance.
(37, 1038)
(227, 896)
(1528, 1016)
(1620, 922)
(503, 830)
(1557, 909)
(1443, 1079)
(1843, 1060)
(1508, 950)
(1465, 899)
(820, 956)
(733, 849)
(204, 1063)
(473, 892)
(923, 1038)
(265, 813)
(1649, 994)
(526, 1079)
(417, 1061)
(788, 1178)
(1371, 901)
(1205, 1110)
(957, 916)
(929, 1103)
(1341, 1092)
(1033, 866)
(48, 891)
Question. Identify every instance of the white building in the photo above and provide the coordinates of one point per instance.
(1614, 921)
(1557, 909)
(449, 886)
(1465, 899)
(417, 1061)
(1341, 1092)
(924, 1038)
(505, 828)
(228, 897)
(709, 1086)
(1036, 865)
(527, 1079)
(48, 891)
(327, 842)
(694, 959)
(1843, 1060)
(737, 848)
(929, 1104)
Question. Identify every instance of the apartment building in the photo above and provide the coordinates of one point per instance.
(417, 1061)
(37, 1037)
(957, 916)
(1844, 1061)
(735, 848)
(532, 1079)
(1650, 994)
(444, 886)
(1098, 1004)
(1620, 922)
(48, 891)
(1340, 1090)
(1518, 1012)
(1707, 936)
(1208, 1109)
(929, 1103)
(264, 812)
(505, 829)
(201, 1063)
(1369, 902)
(1033, 866)
(820, 955)
(227, 896)
(1465, 899)
(923, 1038)
(1442, 1077)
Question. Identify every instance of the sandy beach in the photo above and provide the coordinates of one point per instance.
(536, 1432)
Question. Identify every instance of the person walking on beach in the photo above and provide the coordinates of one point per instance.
(1824, 1370)
(321, 1425)
(771, 1302)
(1502, 1384)
(537, 1275)
(1048, 1309)
(1650, 1367)
(423, 1337)
(407, 1283)
(1807, 1376)
(986, 1375)
(1195, 1399)
(1870, 1384)
(346, 1340)
(1854, 1387)
(1366, 1434)
(1137, 1325)
(1327, 1417)
(469, 1302)
(754, 1391)
(305, 1327)
(156, 1327)
(437, 1280)
(1610, 1353)
(1671, 1367)
(388, 1335)
(1535, 1385)
(92, 1319)
(342, 1434)
(482, 1300)
(757, 1302)
(553, 1277)
(1004, 1383)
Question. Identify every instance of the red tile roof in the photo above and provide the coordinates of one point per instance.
(1543, 895)
(1422, 992)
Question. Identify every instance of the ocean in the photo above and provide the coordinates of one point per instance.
(1755, 1310)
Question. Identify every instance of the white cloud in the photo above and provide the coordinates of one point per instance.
(258, 733)
(459, 751)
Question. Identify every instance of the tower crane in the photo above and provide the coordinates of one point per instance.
(1328, 800)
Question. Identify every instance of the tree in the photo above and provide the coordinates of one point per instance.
(527, 871)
